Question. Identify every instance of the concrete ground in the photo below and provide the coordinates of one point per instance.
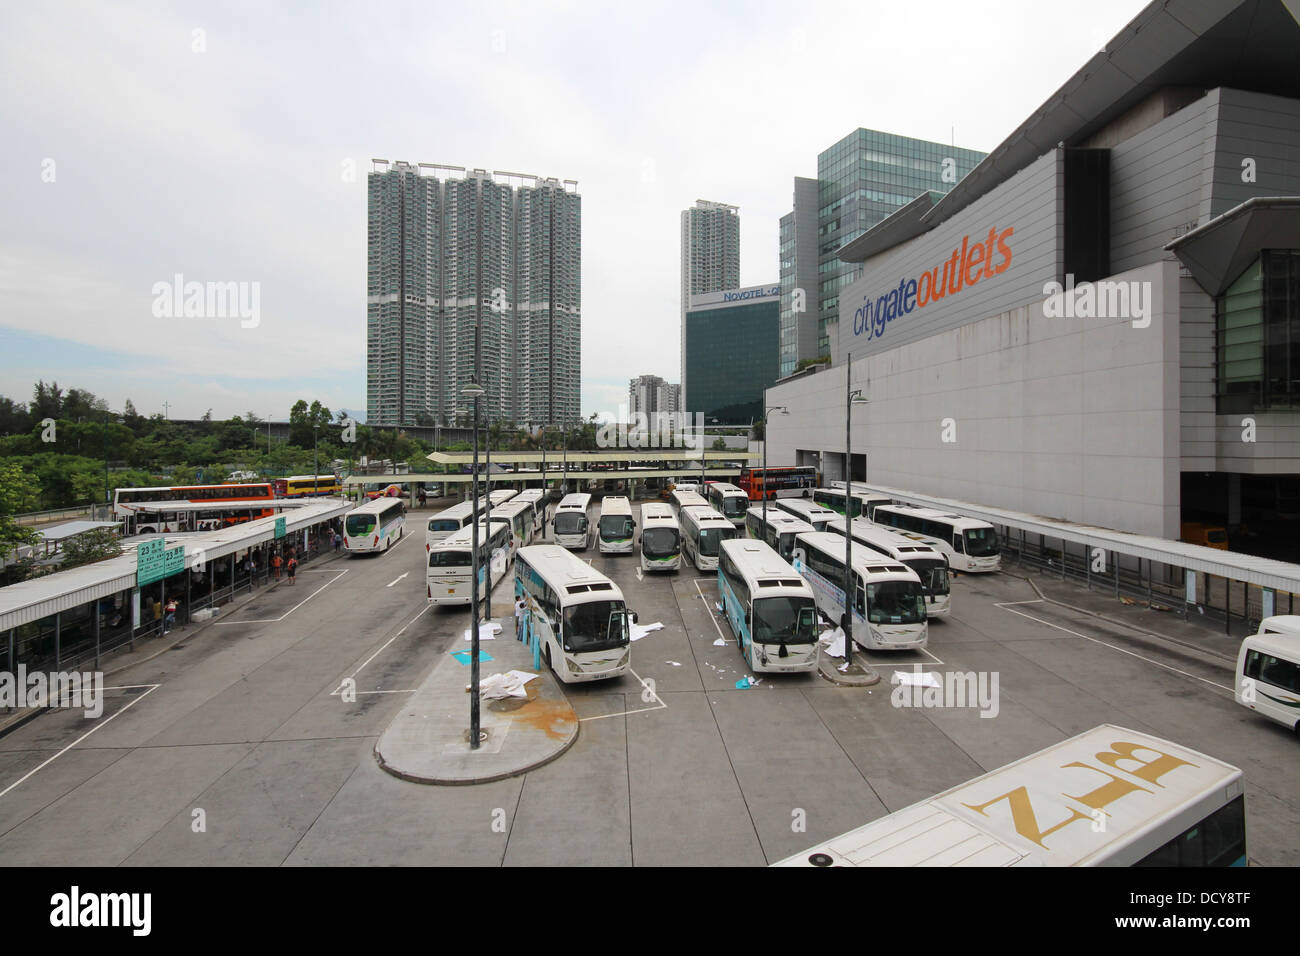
(235, 747)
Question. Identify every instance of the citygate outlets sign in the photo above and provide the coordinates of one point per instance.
(969, 264)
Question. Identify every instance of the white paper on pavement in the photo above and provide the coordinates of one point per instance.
(486, 632)
(834, 641)
(638, 631)
(509, 684)
(914, 679)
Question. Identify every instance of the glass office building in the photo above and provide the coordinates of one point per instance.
(731, 352)
(861, 180)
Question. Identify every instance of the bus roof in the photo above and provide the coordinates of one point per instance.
(615, 505)
(804, 507)
(758, 563)
(704, 515)
(579, 500)
(864, 559)
(512, 507)
(463, 537)
(656, 511)
(461, 510)
(568, 574)
(377, 506)
(1013, 815)
(905, 546)
(725, 487)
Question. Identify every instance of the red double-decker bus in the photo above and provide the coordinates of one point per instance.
(787, 481)
(191, 507)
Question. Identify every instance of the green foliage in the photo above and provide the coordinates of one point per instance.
(719, 445)
(19, 492)
(90, 546)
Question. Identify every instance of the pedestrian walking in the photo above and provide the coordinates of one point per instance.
(170, 617)
(338, 542)
(293, 568)
(277, 562)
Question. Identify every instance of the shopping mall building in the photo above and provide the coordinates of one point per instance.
(1101, 322)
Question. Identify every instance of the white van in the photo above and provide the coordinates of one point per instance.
(1268, 671)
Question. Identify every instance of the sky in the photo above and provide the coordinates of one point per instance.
(230, 144)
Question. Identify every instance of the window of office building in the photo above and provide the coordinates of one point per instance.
(1258, 320)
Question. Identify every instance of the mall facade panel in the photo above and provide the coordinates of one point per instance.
(1101, 323)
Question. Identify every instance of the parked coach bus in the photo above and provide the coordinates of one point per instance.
(450, 520)
(521, 516)
(888, 605)
(728, 500)
(577, 614)
(862, 503)
(661, 538)
(191, 507)
(968, 543)
(570, 525)
(703, 530)
(782, 528)
(819, 516)
(1163, 805)
(616, 528)
(374, 526)
(912, 550)
(771, 609)
(449, 576)
(1268, 671)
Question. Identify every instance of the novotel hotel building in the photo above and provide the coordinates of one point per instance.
(732, 352)
(1101, 322)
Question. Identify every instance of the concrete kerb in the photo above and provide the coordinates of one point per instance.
(857, 675)
(426, 742)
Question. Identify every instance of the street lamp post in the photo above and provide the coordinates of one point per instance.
(315, 459)
(766, 413)
(474, 391)
(851, 397)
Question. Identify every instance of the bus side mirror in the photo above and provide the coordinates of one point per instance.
(632, 615)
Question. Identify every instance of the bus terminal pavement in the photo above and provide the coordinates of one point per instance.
(428, 740)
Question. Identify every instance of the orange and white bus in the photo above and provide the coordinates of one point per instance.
(190, 507)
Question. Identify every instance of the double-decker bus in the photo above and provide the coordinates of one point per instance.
(374, 526)
(888, 605)
(816, 515)
(661, 538)
(861, 503)
(728, 500)
(190, 507)
(771, 609)
(616, 528)
(911, 549)
(970, 544)
(789, 481)
(576, 614)
(307, 486)
(570, 525)
(1162, 804)
(449, 576)
(703, 531)
(782, 528)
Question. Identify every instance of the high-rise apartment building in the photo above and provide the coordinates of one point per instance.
(710, 256)
(650, 393)
(861, 180)
(450, 248)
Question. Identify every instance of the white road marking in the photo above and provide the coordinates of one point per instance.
(640, 710)
(1113, 647)
(396, 579)
(711, 615)
(336, 691)
(276, 620)
(152, 688)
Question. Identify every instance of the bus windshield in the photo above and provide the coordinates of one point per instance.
(735, 505)
(615, 527)
(658, 542)
(785, 544)
(358, 525)
(449, 559)
(567, 522)
(895, 602)
(981, 542)
(785, 620)
(710, 537)
(595, 626)
(933, 574)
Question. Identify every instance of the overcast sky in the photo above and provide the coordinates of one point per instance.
(141, 141)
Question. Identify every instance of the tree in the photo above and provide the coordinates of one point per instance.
(304, 420)
(19, 492)
(47, 401)
(719, 444)
(90, 546)
(14, 418)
